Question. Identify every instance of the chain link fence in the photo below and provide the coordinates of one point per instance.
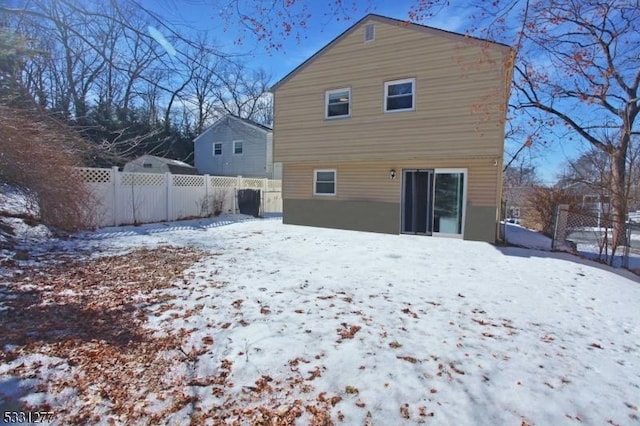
(509, 214)
(591, 235)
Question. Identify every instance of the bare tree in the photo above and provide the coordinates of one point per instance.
(242, 92)
(272, 21)
(581, 66)
(203, 88)
(633, 174)
(126, 78)
(521, 174)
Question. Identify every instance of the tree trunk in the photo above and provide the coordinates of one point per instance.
(618, 199)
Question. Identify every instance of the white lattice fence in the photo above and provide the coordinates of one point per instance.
(142, 197)
(101, 183)
(272, 202)
(188, 180)
(126, 198)
(223, 182)
(251, 183)
(188, 196)
(96, 175)
(142, 179)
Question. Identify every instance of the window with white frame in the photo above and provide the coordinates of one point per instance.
(399, 95)
(337, 103)
(217, 149)
(237, 147)
(324, 182)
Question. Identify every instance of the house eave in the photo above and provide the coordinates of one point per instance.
(506, 49)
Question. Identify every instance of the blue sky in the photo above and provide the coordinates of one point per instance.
(203, 16)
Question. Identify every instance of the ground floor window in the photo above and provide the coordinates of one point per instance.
(324, 182)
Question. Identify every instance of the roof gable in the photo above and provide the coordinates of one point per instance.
(244, 121)
(391, 21)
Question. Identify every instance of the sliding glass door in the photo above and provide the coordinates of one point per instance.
(448, 202)
(418, 211)
(433, 201)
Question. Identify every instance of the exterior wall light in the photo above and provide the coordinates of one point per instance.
(392, 174)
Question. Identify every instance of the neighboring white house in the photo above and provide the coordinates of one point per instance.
(234, 146)
(153, 164)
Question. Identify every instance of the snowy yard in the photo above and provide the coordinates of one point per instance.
(256, 322)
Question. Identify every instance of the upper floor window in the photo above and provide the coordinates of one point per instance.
(369, 32)
(147, 165)
(337, 103)
(217, 149)
(399, 95)
(237, 147)
(324, 182)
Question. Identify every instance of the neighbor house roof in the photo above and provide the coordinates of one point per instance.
(168, 161)
(384, 19)
(244, 121)
(175, 166)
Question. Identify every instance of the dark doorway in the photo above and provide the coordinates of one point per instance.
(249, 201)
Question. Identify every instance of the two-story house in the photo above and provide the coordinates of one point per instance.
(395, 127)
(234, 146)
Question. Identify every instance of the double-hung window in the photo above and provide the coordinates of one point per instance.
(324, 182)
(237, 147)
(399, 95)
(337, 103)
(217, 148)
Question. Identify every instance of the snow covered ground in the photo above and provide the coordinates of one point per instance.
(277, 322)
(586, 244)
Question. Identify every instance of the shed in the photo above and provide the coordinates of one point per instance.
(154, 164)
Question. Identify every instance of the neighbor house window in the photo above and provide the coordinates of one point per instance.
(237, 147)
(217, 149)
(337, 103)
(324, 182)
(399, 95)
(147, 165)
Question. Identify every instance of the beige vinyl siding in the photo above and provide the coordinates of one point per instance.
(459, 89)
(371, 182)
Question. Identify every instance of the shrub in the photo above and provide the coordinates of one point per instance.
(543, 202)
(213, 204)
(37, 155)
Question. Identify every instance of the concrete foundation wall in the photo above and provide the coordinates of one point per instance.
(375, 216)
